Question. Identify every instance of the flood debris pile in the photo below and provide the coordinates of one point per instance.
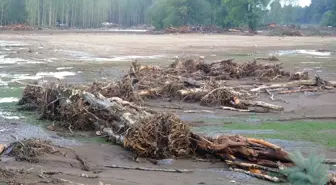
(285, 31)
(148, 133)
(145, 132)
(194, 29)
(197, 81)
(228, 69)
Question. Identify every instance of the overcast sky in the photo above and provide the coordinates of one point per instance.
(304, 2)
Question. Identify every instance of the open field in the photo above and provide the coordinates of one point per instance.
(308, 118)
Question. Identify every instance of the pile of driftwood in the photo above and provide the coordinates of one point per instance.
(195, 81)
(190, 81)
(148, 133)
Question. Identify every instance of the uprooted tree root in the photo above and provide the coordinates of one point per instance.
(161, 136)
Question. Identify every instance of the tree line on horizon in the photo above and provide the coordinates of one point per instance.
(164, 13)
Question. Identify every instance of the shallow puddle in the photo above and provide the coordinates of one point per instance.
(9, 99)
(131, 58)
(303, 52)
(23, 131)
(80, 55)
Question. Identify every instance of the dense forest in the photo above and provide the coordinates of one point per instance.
(165, 13)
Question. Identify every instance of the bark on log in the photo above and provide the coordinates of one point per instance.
(127, 113)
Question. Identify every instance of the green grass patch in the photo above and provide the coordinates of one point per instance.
(319, 132)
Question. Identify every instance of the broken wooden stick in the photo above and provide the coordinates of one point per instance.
(250, 166)
(271, 94)
(299, 90)
(234, 109)
(285, 85)
(70, 174)
(150, 169)
(259, 176)
(84, 164)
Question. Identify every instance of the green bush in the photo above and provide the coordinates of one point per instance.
(308, 171)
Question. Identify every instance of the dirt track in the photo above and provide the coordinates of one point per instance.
(94, 56)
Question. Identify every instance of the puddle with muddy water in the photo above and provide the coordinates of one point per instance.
(12, 122)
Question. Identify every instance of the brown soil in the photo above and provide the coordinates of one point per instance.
(68, 169)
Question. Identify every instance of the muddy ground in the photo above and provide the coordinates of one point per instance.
(85, 57)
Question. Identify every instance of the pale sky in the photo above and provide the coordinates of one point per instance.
(304, 2)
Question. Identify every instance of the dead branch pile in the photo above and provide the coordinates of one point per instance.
(227, 69)
(192, 81)
(29, 150)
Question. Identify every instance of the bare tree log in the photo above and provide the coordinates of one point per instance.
(285, 85)
(259, 176)
(251, 166)
(150, 92)
(262, 104)
(299, 90)
(234, 109)
(264, 143)
(150, 169)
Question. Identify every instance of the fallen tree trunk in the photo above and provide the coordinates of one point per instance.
(262, 104)
(317, 81)
(299, 90)
(285, 85)
(150, 169)
(234, 109)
